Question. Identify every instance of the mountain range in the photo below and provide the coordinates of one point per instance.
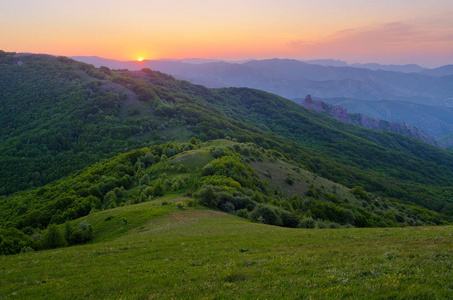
(59, 116)
(424, 90)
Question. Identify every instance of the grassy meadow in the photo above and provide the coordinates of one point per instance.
(155, 251)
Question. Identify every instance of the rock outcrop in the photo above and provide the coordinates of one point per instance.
(340, 113)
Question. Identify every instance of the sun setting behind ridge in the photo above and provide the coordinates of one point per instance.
(140, 59)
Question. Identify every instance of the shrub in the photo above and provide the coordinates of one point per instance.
(289, 180)
(158, 189)
(208, 170)
(267, 213)
(26, 249)
(243, 213)
(192, 203)
(307, 222)
(13, 240)
(52, 237)
(208, 196)
(348, 216)
(320, 224)
(359, 192)
(288, 219)
(228, 207)
(193, 141)
(80, 234)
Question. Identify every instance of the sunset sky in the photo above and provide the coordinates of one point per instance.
(385, 31)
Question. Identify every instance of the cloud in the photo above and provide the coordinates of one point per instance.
(409, 39)
(395, 36)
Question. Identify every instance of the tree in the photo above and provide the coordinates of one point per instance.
(208, 196)
(267, 213)
(158, 188)
(52, 237)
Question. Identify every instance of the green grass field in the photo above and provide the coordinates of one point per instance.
(154, 251)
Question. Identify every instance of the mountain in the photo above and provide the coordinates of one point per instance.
(139, 178)
(441, 71)
(436, 121)
(60, 116)
(410, 68)
(292, 78)
(340, 113)
(327, 62)
(99, 61)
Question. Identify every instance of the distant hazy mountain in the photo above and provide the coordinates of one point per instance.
(411, 68)
(441, 71)
(100, 61)
(197, 61)
(292, 79)
(327, 62)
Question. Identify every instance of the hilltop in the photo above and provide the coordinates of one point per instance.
(79, 114)
(136, 174)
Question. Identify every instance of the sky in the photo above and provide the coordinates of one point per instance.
(384, 31)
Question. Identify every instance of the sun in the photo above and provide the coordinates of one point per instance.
(140, 59)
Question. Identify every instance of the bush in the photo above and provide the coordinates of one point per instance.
(265, 214)
(360, 193)
(26, 249)
(52, 237)
(192, 203)
(325, 224)
(208, 196)
(243, 213)
(228, 207)
(80, 234)
(288, 219)
(13, 240)
(307, 222)
(289, 180)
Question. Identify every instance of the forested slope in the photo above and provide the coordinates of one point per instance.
(59, 115)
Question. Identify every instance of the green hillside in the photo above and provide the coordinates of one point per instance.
(136, 185)
(59, 116)
(163, 252)
(261, 185)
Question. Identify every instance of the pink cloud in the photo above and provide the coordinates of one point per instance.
(390, 41)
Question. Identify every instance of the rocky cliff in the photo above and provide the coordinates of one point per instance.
(340, 113)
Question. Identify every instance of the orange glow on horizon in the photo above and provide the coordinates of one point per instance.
(351, 30)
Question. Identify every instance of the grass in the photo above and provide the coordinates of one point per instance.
(163, 253)
(276, 172)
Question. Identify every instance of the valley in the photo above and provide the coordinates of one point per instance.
(121, 178)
